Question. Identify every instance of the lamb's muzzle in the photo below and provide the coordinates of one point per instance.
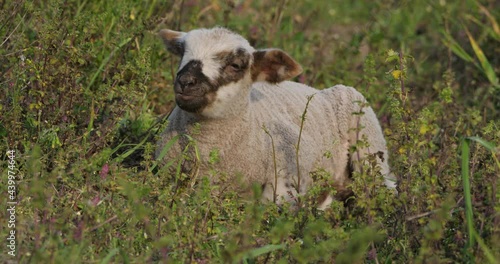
(191, 87)
(232, 91)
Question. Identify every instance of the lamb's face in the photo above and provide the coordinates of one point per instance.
(218, 67)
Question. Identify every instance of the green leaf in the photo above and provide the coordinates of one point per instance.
(3, 131)
(165, 149)
(495, 32)
(123, 156)
(450, 42)
(485, 64)
(487, 252)
(105, 62)
(467, 195)
(110, 255)
(488, 145)
(392, 55)
(261, 251)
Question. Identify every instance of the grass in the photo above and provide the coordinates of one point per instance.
(86, 87)
(467, 193)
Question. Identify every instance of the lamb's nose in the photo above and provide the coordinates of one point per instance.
(187, 80)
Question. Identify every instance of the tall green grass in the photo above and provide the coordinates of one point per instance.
(472, 233)
(86, 87)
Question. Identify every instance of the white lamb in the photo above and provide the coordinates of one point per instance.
(235, 93)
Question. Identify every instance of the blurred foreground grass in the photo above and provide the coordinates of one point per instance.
(85, 86)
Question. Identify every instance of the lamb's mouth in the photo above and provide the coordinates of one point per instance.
(185, 97)
(190, 103)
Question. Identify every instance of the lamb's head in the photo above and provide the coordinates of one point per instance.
(218, 67)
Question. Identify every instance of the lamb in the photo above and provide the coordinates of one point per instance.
(236, 100)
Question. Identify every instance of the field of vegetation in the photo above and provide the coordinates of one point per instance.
(86, 86)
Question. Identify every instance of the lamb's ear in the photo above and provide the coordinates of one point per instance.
(274, 66)
(173, 40)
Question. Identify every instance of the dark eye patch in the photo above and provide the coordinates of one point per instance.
(237, 59)
(236, 66)
(233, 66)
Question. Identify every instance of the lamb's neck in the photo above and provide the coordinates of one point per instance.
(238, 117)
(231, 121)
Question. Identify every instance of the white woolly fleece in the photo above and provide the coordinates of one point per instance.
(246, 150)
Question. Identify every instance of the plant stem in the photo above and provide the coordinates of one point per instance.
(297, 148)
(275, 187)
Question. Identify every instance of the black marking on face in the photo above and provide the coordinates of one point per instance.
(191, 87)
(194, 91)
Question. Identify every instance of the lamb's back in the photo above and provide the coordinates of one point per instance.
(324, 139)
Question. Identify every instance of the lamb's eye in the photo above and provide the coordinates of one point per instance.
(235, 66)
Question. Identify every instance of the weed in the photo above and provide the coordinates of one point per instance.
(86, 85)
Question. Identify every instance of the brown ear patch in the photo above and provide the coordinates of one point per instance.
(172, 40)
(274, 66)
